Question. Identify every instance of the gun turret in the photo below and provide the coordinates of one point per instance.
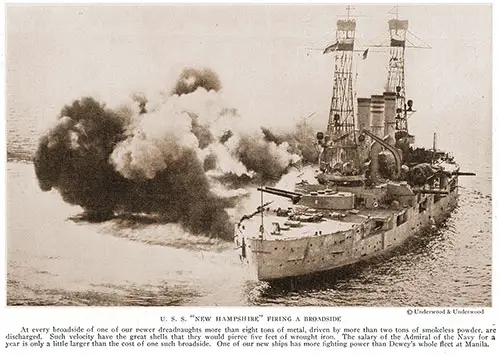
(294, 196)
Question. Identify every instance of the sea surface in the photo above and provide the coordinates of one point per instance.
(55, 259)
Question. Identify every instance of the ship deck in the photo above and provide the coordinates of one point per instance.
(305, 229)
(250, 228)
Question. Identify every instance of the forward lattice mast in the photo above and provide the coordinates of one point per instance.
(341, 121)
(341, 117)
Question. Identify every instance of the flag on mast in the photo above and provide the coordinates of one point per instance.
(365, 53)
(331, 48)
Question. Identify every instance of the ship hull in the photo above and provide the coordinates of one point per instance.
(275, 259)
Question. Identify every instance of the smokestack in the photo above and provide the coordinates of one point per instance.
(364, 113)
(390, 116)
(364, 123)
(377, 105)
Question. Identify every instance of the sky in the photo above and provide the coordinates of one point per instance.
(268, 58)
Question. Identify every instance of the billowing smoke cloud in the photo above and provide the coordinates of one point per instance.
(191, 79)
(184, 159)
(73, 156)
(301, 140)
(142, 101)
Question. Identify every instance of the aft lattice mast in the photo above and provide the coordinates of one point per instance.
(396, 75)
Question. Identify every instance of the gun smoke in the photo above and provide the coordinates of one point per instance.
(183, 159)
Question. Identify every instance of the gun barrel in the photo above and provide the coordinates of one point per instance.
(283, 193)
(463, 173)
(434, 192)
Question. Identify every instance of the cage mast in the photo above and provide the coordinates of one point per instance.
(341, 120)
(398, 30)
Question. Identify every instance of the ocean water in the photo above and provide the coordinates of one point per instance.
(54, 259)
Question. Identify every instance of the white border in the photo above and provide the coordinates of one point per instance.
(12, 318)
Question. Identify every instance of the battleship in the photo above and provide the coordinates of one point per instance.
(372, 189)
